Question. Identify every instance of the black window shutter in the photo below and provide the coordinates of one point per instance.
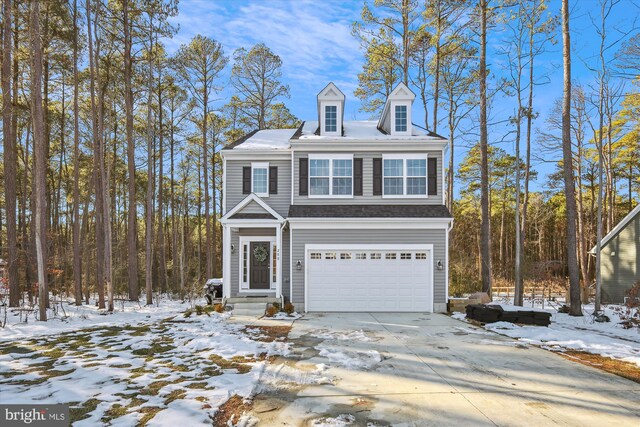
(273, 180)
(357, 177)
(246, 180)
(377, 177)
(433, 177)
(303, 182)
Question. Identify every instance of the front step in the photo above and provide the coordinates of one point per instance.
(252, 299)
(252, 309)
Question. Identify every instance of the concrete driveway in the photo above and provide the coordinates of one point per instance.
(418, 370)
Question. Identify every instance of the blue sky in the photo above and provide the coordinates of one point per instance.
(313, 38)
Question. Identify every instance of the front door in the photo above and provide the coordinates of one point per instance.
(260, 258)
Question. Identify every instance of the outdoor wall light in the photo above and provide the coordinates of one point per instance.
(299, 265)
(233, 249)
(440, 265)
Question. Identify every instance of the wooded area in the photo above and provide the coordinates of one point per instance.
(112, 177)
(591, 135)
(111, 169)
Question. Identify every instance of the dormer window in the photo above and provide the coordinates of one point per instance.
(331, 118)
(330, 111)
(396, 113)
(401, 118)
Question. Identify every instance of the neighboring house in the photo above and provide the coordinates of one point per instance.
(339, 215)
(620, 258)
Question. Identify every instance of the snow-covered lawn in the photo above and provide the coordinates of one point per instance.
(138, 366)
(566, 332)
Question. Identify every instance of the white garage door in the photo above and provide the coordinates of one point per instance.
(345, 279)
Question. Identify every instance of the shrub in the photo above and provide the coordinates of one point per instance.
(218, 308)
(272, 310)
(631, 315)
(289, 308)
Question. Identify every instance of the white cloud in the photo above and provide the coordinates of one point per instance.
(313, 38)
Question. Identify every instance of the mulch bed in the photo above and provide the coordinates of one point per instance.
(627, 370)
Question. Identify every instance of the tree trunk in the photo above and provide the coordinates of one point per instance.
(150, 183)
(485, 253)
(132, 212)
(567, 156)
(207, 202)
(37, 115)
(77, 262)
(10, 158)
(162, 261)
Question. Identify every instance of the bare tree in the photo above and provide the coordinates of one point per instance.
(199, 64)
(485, 239)
(132, 213)
(256, 77)
(567, 158)
(37, 115)
(77, 260)
(10, 157)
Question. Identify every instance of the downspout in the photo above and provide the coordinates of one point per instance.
(284, 224)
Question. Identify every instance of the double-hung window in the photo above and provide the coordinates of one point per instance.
(401, 118)
(260, 179)
(331, 176)
(405, 176)
(331, 118)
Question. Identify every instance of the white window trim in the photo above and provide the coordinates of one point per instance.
(393, 118)
(260, 165)
(404, 158)
(338, 106)
(244, 287)
(331, 158)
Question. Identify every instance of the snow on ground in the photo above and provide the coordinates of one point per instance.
(74, 317)
(284, 316)
(339, 421)
(566, 332)
(351, 359)
(139, 365)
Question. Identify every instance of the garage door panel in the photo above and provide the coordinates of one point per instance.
(369, 280)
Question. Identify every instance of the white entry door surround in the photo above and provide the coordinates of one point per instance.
(371, 277)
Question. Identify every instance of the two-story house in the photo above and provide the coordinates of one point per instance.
(339, 215)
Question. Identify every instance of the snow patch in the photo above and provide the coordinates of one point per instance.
(355, 360)
(339, 421)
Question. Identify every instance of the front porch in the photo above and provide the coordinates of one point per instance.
(252, 252)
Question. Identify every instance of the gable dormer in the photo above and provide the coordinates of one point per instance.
(396, 114)
(330, 110)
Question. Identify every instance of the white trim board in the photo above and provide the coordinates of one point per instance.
(369, 223)
(618, 228)
(382, 247)
(273, 286)
(244, 202)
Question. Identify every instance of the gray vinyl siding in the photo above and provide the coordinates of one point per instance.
(389, 236)
(279, 202)
(235, 258)
(367, 185)
(252, 207)
(622, 270)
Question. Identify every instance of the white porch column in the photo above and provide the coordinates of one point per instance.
(279, 260)
(226, 261)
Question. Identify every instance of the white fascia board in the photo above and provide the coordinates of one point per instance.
(244, 202)
(394, 145)
(248, 223)
(256, 155)
(369, 223)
